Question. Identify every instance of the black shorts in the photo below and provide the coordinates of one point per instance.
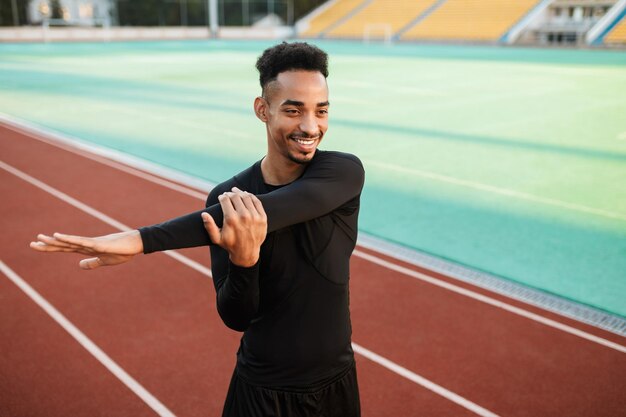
(338, 398)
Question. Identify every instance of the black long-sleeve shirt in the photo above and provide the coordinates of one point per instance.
(293, 305)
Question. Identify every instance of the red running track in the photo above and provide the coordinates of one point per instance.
(155, 318)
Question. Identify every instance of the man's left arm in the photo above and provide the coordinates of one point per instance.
(235, 263)
(328, 182)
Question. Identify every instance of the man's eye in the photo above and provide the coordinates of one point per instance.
(291, 111)
(323, 111)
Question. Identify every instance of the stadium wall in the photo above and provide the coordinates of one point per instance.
(90, 34)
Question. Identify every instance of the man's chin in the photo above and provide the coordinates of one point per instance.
(302, 158)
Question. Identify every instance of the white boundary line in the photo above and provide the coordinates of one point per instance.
(112, 158)
(86, 343)
(512, 290)
(91, 151)
(368, 354)
(491, 301)
(488, 300)
(97, 214)
(411, 376)
(501, 191)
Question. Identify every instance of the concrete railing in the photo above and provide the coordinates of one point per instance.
(600, 28)
(93, 34)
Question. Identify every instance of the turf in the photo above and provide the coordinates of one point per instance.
(508, 160)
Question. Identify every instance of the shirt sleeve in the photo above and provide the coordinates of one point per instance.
(237, 290)
(328, 182)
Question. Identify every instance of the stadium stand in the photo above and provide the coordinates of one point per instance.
(395, 14)
(330, 16)
(473, 20)
(618, 34)
(570, 22)
(522, 22)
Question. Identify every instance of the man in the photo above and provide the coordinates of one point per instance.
(280, 260)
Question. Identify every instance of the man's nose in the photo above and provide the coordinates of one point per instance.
(308, 125)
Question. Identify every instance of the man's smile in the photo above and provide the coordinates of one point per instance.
(305, 144)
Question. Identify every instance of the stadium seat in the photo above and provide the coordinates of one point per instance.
(479, 20)
(617, 34)
(380, 14)
(330, 16)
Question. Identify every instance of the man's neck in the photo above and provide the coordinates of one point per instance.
(280, 172)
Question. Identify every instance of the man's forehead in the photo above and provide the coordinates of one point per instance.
(298, 83)
(300, 74)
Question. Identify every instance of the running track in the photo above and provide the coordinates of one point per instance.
(445, 348)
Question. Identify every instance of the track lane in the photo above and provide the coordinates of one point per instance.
(483, 353)
(389, 390)
(154, 316)
(44, 370)
(361, 252)
(385, 332)
(122, 307)
(592, 331)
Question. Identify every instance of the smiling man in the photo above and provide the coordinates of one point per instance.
(281, 234)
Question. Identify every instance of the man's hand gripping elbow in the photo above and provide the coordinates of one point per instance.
(244, 228)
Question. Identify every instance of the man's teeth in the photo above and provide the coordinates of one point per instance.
(305, 142)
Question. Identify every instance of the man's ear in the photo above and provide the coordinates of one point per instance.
(261, 108)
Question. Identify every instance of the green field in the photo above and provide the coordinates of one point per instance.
(511, 161)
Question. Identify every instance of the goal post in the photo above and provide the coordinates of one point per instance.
(67, 30)
(377, 31)
(212, 18)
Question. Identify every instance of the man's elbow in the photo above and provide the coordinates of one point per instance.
(238, 326)
(234, 322)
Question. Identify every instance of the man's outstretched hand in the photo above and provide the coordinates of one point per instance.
(243, 232)
(113, 249)
(244, 228)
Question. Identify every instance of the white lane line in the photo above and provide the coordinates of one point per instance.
(432, 280)
(103, 217)
(420, 380)
(410, 90)
(497, 190)
(90, 346)
(97, 214)
(75, 147)
(93, 152)
(493, 302)
(23, 127)
(144, 175)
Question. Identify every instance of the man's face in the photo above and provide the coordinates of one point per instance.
(296, 115)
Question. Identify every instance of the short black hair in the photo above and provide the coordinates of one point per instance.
(288, 57)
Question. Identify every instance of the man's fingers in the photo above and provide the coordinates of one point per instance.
(227, 205)
(43, 247)
(90, 263)
(75, 240)
(251, 201)
(238, 203)
(48, 240)
(248, 201)
(211, 228)
(258, 206)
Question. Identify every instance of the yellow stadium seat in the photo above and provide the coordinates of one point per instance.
(330, 16)
(393, 14)
(481, 20)
(617, 34)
